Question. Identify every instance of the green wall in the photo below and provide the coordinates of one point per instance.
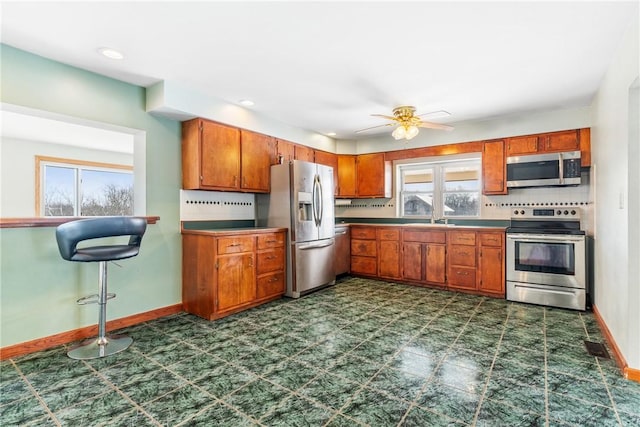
(37, 288)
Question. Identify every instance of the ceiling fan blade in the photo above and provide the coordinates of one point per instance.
(435, 114)
(373, 127)
(434, 126)
(384, 117)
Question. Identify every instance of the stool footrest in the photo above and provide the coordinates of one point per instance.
(93, 299)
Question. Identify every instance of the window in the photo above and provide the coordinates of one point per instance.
(75, 188)
(440, 189)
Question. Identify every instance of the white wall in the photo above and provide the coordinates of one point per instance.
(18, 188)
(616, 292)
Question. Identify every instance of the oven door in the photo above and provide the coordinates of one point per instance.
(546, 259)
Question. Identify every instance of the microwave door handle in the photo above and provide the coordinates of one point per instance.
(561, 168)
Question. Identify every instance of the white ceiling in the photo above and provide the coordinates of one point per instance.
(326, 66)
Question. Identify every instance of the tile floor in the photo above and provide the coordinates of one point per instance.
(360, 353)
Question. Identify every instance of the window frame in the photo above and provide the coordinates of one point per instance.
(77, 165)
(438, 166)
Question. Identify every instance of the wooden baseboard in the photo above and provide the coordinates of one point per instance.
(629, 373)
(88, 331)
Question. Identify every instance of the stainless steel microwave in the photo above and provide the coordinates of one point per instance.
(544, 170)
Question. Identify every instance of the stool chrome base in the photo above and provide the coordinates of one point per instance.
(100, 347)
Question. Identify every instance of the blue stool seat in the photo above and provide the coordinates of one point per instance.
(69, 236)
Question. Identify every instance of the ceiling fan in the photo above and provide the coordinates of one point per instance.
(408, 123)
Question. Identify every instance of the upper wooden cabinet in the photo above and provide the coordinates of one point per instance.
(302, 152)
(285, 149)
(220, 157)
(373, 176)
(567, 140)
(346, 176)
(329, 159)
(493, 168)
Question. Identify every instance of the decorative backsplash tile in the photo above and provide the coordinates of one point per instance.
(215, 205)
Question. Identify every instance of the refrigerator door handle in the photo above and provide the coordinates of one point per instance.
(320, 198)
(317, 200)
(307, 247)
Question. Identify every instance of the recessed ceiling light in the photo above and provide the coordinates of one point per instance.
(246, 102)
(110, 53)
(331, 134)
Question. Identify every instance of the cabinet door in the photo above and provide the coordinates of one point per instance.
(220, 151)
(412, 261)
(561, 141)
(304, 153)
(493, 168)
(270, 285)
(435, 263)
(522, 145)
(491, 270)
(285, 149)
(372, 176)
(389, 259)
(346, 176)
(256, 160)
(236, 281)
(329, 159)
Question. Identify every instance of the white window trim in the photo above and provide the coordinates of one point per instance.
(438, 188)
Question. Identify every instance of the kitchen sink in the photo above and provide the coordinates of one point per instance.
(428, 224)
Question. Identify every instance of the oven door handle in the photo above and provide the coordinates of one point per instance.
(547, 290)
(544, 237)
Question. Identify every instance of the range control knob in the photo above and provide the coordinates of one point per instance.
(522, 212)
(558, 212)
(566, 212)
(573, 212)
(515, 212)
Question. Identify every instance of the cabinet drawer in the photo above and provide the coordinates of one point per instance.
(462, 277)
(364, 265)
(363, 233)
(462, 255)
(363, 247)
(424, 236)
(233, 245)
(462, 238)
(274, 240)
(272, 284)
(270, 260)
(491, 239)
(388, 234)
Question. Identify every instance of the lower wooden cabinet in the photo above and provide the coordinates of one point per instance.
(463, 259)
(227, 272)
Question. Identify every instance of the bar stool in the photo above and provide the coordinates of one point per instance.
(68, 236)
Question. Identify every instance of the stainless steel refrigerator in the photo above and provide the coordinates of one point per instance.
(301, 200)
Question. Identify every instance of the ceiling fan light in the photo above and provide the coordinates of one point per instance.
(399, 133)
(411, 132)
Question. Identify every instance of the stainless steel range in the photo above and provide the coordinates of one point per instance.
(546, 258)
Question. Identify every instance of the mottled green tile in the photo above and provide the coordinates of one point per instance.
(449, 401)
(524, 374)
(378, 352)
(257, 398)
(13, 387)
(626, 400)
(134, 418)
(513, 393)
(224, 379)
(285, 345)
(151, 386)
(469, 359)
(330, 390)
(135, 371)
(297, 412)
(54, 359)
(95, 411)
(231, 350)
(43, 380)
(376, 409)
(21, 412)
(629, 420)
(396, 383)
(178, 405)
(527, 356)
(220, 415)
(421, 365)
(467, 379)
(580, 412)
(320, 356)
(592, 391)
(166, 355)
(498, 414)
(292, 374)
(578, 369)
(68, 392)
(196, 367)
(356, 368)
(259, 362)
(419, 417)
